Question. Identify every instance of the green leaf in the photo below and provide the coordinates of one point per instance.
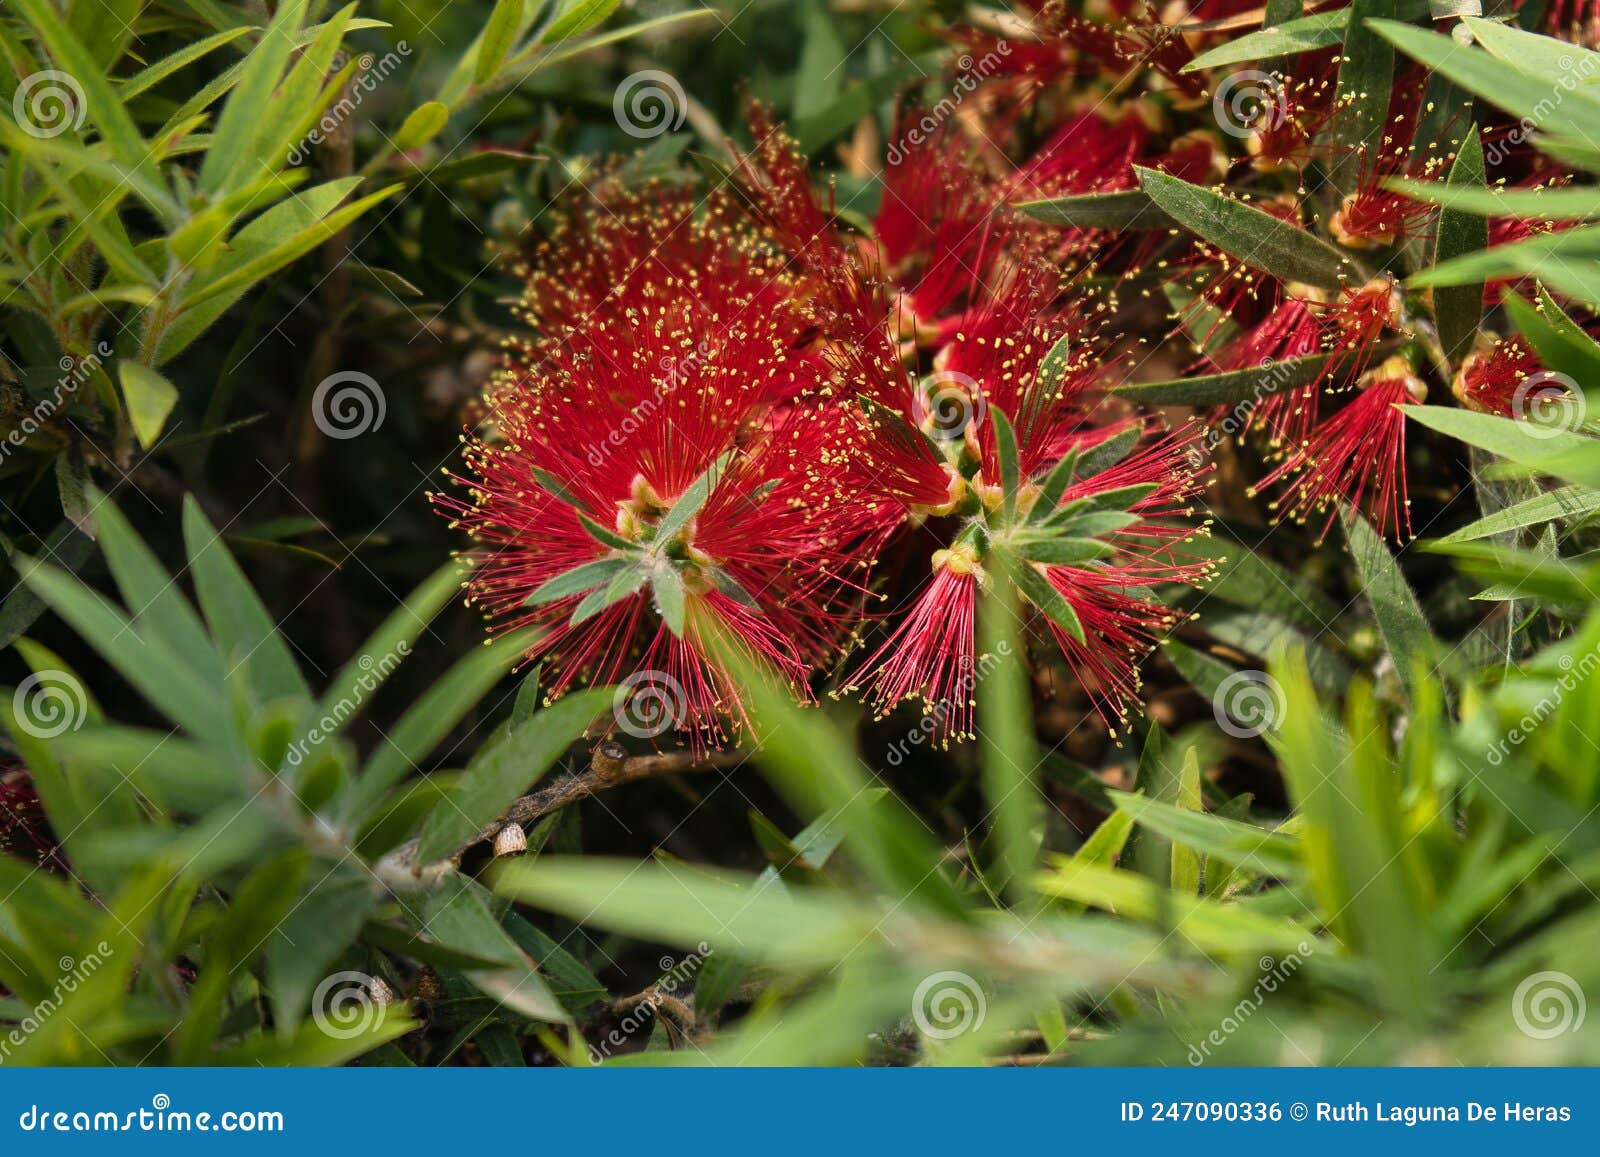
(160, 676)
(693, 499)
(1361, 101)
(159, 609)
(667, 585)
(1233, 842)
(100, 100)
(1254, 237)
(149, 397)
(1066, 550)
(576, 581)
(1521, 441)
(431, 717)
(1005, 439)
(1129, 209)
(506, 770)
(1006, 739)
(1542, 203)
(244, 631)
(1561, 344)
(1247, 579)
(1400, 620)
(1534, 52)
(1307, 34)
(323, 922)
(394, 638)
(1506, 86)
(820, 75)
(426, 120)
(1569, 502)
(505, 21)
(1232, 387)
(235, 156)
(1457, 310)
(458, 917)
(818, 770)
(1052, 602)
(1210, 926)
(575, 17)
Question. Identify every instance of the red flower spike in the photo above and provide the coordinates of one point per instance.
(683, 367)
(1290, 331)
(24, 831)
(1357, 455)
(930, 655)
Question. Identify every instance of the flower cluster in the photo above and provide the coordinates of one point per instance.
(739, 420)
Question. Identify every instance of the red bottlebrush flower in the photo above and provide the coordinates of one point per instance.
(663, 465)
(1290, 115)
(930, 655)
(1089, 153)
(1076, 481)
(1357, 455)
(1290, 331)
(24, 831)
(1489, 378)
(937, 228)
(1358, 319)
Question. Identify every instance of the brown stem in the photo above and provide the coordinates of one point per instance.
(609, 767)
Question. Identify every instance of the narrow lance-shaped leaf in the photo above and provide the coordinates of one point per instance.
(1458, 309)
(1254, 237)
(1128, 209)
(1366, 73)
(1400, 620)
(1010, 755)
